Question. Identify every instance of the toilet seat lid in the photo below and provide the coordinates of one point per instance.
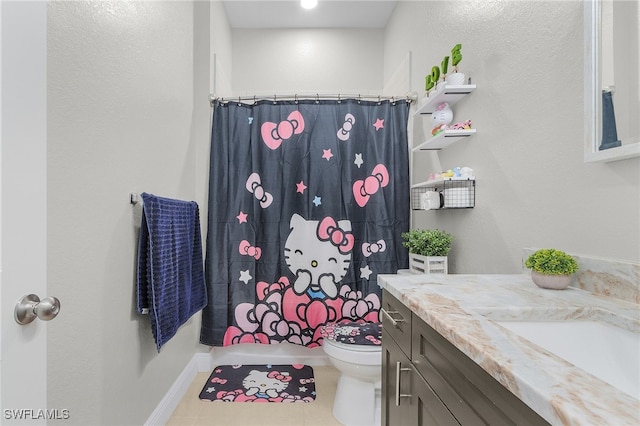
(352, 334)
(352, 347)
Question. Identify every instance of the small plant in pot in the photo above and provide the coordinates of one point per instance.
(551, 268)
(428, 250)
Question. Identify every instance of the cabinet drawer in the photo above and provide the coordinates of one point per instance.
(396, 321)
(470, 393)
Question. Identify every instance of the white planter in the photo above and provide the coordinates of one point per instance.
(553, 282)
(455, 79)
(419, 264)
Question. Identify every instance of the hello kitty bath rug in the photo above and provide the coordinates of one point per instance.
(260, 383)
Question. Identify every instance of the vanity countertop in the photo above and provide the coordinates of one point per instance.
(458, 307)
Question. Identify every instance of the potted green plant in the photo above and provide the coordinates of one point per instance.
(551, 268)
(428, 250)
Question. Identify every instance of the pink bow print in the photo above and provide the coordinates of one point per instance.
(246, 249)
(307, 381)
(218, 380)
(282, 377)
(373, 340)
(273, 134)
(371, 248)
(328, 230)
(363, 189)
(254, 186)
(343, 132)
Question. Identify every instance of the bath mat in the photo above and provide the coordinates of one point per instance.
(260, 383)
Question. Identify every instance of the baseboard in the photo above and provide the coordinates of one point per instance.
(199, 363)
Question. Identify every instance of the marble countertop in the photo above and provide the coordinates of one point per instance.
(459, 308)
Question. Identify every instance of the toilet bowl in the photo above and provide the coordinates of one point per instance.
(357, 400)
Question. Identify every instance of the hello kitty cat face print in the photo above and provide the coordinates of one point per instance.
(318, 253)
(442, 115)
(263, 384)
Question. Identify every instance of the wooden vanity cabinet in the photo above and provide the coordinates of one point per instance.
(438, 384)
(418, 404)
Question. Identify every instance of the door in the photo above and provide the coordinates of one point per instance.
(397, 407)
(23, 208)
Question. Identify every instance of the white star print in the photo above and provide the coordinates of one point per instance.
(365, 272)
(358, 161)
(245, 276)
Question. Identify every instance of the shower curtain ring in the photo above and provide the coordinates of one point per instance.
(317, 98)
(274, 99)
(295, 97)
(254, 99)
(379, 102)
(339, 101)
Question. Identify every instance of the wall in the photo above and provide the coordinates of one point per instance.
(533, 188)
(289, 61)
(221, 57)
(128, 111)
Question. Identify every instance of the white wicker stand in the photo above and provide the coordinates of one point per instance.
(419, 264)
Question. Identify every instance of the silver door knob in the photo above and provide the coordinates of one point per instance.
(31, 307)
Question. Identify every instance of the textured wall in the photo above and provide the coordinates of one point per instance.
(128, 112)
(533, 188)
(289, 61)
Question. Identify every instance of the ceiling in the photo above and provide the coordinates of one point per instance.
(328, 14)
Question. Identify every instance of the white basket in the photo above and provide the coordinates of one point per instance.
(419, 264)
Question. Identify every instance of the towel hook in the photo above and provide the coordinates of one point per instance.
(135, 198)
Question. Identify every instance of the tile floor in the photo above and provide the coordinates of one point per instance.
(193, 412)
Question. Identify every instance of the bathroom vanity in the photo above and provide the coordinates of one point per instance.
(451, 355)
(428, 381)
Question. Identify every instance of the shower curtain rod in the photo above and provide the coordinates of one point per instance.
(411, 97)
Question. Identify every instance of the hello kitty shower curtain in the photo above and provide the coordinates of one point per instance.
(307, 203)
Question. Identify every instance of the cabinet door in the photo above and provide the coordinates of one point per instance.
(418, 404)
(392, 359)
(429, 410)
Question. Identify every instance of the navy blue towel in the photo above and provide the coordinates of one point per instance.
(170, 282)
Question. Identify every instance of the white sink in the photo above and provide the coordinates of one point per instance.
(602, 349)
(600, 342)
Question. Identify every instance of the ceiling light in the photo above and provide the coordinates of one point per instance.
(308, 4)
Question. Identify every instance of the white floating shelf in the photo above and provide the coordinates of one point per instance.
(448, 93)
(444, 139)
(437, 183)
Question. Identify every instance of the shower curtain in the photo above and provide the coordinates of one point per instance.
(307, 203)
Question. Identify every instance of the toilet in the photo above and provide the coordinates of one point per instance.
(354, 349)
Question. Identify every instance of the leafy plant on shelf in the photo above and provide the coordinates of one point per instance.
(551, 262)
(427, 242)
